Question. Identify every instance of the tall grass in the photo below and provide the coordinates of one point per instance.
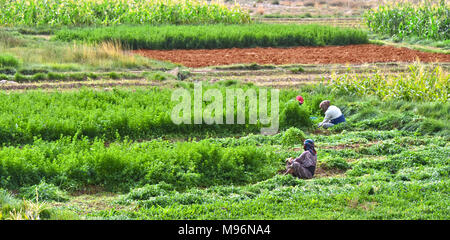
(216, 36)
(426, 20)
(15, 51)
(7, 60)
(419, 84)
(113, 12)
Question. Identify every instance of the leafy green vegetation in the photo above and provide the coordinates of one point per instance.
(411, 184)
(419, 84)
(146, 113)
(139, 114)
(216, 36)
(366, 170)
(426, 20)
(43, 192)
(113, 12)
(116, 153)
(8, 61)
(293, 115)
(293, 136)
(73, 164)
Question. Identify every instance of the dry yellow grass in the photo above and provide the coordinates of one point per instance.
(29, 211)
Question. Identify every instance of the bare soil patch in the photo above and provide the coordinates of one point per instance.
(351, 54)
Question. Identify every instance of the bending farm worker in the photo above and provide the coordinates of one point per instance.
(300, 100)
(333, 115)
(305, 165)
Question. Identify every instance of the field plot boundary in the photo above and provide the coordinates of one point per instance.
(340, 22)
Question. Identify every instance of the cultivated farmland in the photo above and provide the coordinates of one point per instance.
(89, 93)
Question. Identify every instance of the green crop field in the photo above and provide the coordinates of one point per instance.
(429, 21)
(91, 130)
(216, 36)
(113, 12)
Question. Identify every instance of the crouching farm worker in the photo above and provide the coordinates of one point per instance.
(333, 115)
(305, 165)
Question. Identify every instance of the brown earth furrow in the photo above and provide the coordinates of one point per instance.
(351, 54)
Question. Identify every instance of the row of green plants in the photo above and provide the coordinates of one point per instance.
(27, 76)
(402, 20)
(215, 36)
(419, 84)
(73, 163)
(145, 113)
(114, 12)
(136, 113)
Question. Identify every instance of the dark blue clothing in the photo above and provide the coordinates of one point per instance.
(338, 120)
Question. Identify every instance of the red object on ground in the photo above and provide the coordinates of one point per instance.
(300, 99)
(356, 54)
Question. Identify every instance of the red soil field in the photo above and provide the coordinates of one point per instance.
(353, 54)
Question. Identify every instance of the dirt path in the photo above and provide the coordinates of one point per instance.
(76, 85)
(364, 53)
(339, 22)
